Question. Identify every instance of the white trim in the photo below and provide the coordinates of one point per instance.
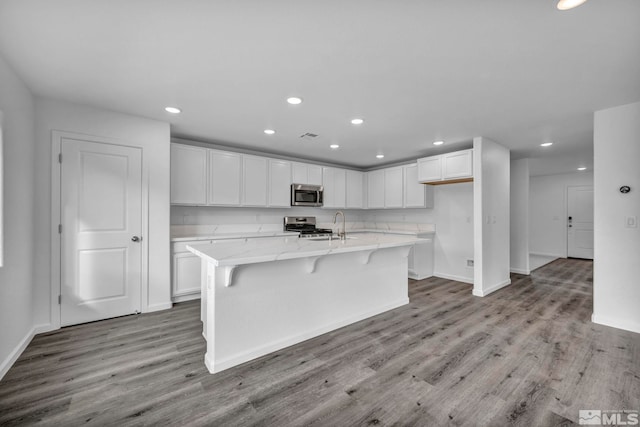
(56, 149)
(453, 277)
(186, 297)
(546, 254)
(485, 292)
(19, 349)
(215, 367)
(158, 307)
(520, 271)
(616, 323)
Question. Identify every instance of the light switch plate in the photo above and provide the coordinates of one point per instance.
(631, 222)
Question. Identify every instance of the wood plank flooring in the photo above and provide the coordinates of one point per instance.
(525, 355)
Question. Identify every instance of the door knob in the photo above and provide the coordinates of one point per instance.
(135, 239)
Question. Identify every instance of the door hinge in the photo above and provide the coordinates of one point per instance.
(59, 299)
(60, 158)
(59, 228)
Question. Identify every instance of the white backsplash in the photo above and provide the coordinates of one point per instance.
(216, 220)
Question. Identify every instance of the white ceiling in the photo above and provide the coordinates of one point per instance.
(518, 72)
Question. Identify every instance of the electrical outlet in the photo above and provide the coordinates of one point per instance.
(631, 222)
(469, 263)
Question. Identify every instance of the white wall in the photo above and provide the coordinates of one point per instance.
(616, 285)
(548, 211)
(453, 245)
(491, 185)
(519, 216)
(16, 274)
(153, 136)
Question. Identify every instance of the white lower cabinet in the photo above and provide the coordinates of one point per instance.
(185, 272)
(421, 260)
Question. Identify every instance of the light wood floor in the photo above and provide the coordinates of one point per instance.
(525, 355)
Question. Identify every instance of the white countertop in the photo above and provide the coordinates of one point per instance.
(253, 251)
(230, 235)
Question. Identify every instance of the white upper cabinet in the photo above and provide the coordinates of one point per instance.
(454, 166)
(188, 175)
(279, 183)
(334, 182)
(355, 189)
(375, 189)
(457, 165)
(225, 172)
(255, 173)
(303, 173)
(393, 187)
(416, 195)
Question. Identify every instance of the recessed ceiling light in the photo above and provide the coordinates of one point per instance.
(294, 100)
(269, 131)
(438, 143)
(380, 156)
(357, 121)
(172, 110)
(546, 144)
(569, 4)
(334, 146)
(582, 168)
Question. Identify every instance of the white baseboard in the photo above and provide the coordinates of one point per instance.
(22, 345)
(183, 298)
(453, 277)
(158, 307)
(520, 271)
(549, 255)
(616, 323)
(415, 276)
(485, 292)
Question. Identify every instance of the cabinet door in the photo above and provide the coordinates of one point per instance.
(430, 169)
(188, 175)
(414, 192)
(255, 180)
(224, 178)
(334, 182)
(299, 173)
(458, 164)
(355, 193)
(186, 274)
(375, 189)
(393, 187)
(314, 175)
(279, 183)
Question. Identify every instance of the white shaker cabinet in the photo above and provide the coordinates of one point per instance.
(279, 183)
(393, 187)
(375, 189)
(188, 175)
(355, 189)
(225, 176)
(334, 182)
(454, 167)
(255, 172)
(186, 272)
(303, 173)
(416, 195)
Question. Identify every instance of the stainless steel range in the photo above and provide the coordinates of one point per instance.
(306, 226)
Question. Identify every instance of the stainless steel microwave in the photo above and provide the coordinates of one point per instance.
(306, 195)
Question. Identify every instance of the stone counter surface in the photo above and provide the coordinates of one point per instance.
(283, 248)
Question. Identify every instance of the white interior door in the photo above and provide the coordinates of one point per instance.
(580, 222)
(101, 217)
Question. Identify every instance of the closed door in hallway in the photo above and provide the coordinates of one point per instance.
(101, 218)
(580, 222)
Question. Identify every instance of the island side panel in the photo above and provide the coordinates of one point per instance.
(273, 305)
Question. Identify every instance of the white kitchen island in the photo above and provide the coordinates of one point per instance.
(261, 295)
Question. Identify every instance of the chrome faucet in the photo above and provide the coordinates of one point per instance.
(342, 234)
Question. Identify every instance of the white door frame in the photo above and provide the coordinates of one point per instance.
(56, 256)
